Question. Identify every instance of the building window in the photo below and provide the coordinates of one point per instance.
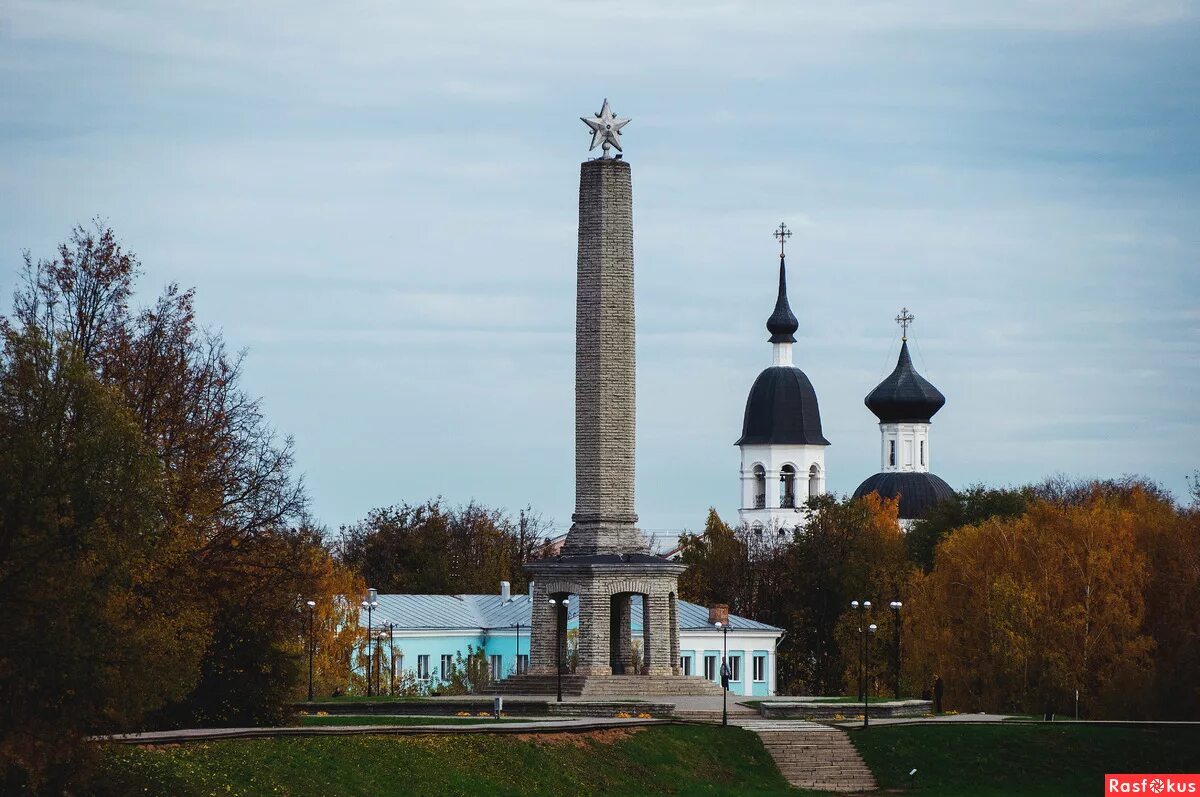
(757, 528)
(760, 668)
(496, 668)
(735, 668)
(760, 487)
(892, 453)
(447, 666)
(423, 666)
(685, 665)
(922, 452)
(814, 481)
(710, 668)
(787, 487)
(522, 663)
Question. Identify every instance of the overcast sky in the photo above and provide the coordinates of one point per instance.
(377, 201)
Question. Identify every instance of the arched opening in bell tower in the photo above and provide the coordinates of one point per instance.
(787, 487)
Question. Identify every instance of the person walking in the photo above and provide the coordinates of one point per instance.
(938, 687)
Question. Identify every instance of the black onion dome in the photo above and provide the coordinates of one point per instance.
(782, 324)
(782, 408)
(918, 491)
(905, 396)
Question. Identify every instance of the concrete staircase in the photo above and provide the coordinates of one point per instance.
(812, 756)
(607, 686)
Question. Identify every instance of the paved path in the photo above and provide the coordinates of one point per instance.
(811, 755)
(540, 726)
(1006, 719)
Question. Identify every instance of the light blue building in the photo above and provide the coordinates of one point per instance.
(429, 632)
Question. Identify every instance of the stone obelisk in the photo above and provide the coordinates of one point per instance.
(605, 562)
(604, 521)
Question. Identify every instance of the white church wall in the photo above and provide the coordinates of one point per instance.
(773, 458)
(911, 447)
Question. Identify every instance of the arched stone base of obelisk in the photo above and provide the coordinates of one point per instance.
(601, 586)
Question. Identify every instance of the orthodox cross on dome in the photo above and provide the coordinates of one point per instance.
(782, 234)
(904, 319)
(606, 129)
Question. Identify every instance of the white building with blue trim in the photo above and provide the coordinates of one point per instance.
(429, 632)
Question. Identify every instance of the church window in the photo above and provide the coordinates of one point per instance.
(892, 453)
(922, 452)
(787, 487)
(760, 487)
(814, 481)
(757, 528)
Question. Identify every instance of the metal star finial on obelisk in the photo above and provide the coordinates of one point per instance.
(782, 234)
(904, 319)
(606, 129)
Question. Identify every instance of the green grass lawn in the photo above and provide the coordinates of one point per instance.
(677, 760)
(376, 719)
(1058, 760)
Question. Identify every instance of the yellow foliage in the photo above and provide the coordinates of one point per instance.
(1018, 613)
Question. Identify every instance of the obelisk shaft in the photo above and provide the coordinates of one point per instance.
(605, 367)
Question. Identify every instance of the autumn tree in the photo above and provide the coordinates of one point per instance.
(85, 647)
(717, 560)
(803, 582)
(432, 548)
(851, 549)
(227, 576)
(1018, 613)
(968, 507)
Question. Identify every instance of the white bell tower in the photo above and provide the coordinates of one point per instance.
(782, 448)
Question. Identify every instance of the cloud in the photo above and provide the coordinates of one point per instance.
(379, 200)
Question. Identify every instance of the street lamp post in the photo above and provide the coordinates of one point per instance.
(866, 688)
(311, 646)
(391, 629)
(862, 646)
(560, 607)
(725, 673)
(370, 604)
(517, 652)
(896, 606)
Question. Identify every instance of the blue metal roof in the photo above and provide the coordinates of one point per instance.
(437, 612)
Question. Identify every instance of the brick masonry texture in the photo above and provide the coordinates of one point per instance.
(597, 589)
(605, 366)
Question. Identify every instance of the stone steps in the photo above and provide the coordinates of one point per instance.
(812, 756)
(610, 686)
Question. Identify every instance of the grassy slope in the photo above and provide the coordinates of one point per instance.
(1009, 759)
(671, 760)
